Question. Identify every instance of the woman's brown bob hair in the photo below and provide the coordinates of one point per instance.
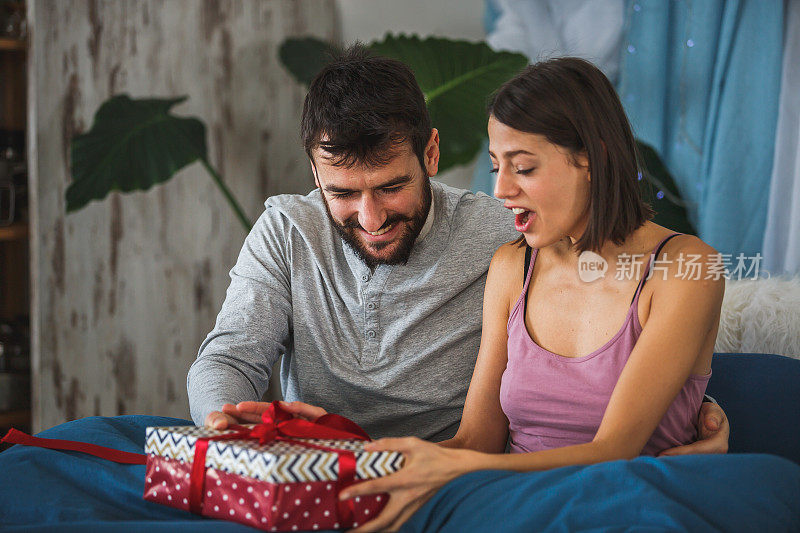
(573, 105)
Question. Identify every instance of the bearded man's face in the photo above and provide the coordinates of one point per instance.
(378, 211)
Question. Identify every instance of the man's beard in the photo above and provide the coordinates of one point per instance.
(404, 243)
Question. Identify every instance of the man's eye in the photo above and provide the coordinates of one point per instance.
(391, 189)
(342, 195)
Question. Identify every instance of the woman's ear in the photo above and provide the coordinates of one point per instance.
(581, 160)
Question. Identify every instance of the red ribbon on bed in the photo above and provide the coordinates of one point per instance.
(18, 437)
(277, 424)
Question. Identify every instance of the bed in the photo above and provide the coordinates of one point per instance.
(755, 487)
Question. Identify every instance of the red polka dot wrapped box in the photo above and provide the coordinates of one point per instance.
(277, 486)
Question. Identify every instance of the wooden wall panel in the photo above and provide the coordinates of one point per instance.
(125, 290)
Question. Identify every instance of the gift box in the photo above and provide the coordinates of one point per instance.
(274, 476)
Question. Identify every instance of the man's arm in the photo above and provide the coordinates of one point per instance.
(253, 327)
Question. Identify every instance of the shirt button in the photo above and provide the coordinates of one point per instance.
(365, 277)
(371, 334)
(371, 306)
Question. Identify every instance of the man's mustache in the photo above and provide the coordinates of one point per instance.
(352, 222)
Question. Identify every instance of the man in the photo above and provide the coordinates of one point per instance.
(371, 286)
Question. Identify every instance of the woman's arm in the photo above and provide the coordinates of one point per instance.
(483, 426)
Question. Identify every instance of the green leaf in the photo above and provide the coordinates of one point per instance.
(456, 77)
(304, 57)
(132, 145)
(670, 208)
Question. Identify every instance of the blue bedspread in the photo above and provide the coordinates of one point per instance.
(67, 491)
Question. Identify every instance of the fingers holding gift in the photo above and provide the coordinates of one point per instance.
(248, 412)
(401, 506)
(304, 410)
(386, 484)
(219, 420)
(405, 445)
(239, 416)
(426, 467)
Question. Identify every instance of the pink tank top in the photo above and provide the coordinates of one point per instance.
(553, 401)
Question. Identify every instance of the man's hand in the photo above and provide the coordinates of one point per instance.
(229, 415)
(713, 433)
(250, 413)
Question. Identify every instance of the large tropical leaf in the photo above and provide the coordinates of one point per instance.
(456, 77)
(304, 57)
(132, 145)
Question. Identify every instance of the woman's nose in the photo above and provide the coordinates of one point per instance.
(504, 185)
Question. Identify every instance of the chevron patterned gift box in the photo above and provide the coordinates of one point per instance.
(276, 486)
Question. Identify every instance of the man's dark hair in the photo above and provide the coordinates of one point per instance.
(571, 103)
(360, 107)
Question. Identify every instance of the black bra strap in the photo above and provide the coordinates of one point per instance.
(524, 278)
(527, 263)
(650, 264)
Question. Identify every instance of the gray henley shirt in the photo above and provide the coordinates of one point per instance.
(392, 349)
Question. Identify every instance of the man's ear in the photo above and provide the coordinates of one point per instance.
(314, 171)
(432, 154)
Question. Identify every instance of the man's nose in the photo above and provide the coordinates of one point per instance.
(505, 186)
(371, 214)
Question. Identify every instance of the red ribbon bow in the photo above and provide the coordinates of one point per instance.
(277, 424)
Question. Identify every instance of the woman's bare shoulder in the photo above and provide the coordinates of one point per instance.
(689, 259)
(505, 271)
(508, 258)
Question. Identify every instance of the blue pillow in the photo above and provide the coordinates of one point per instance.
(760, 393)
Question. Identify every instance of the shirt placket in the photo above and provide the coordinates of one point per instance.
(372, 284)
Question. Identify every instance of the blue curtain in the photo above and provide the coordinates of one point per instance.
(700, 82)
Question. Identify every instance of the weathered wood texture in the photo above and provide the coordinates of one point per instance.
(125, 290)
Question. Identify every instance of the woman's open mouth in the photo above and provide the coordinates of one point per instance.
(524, 218)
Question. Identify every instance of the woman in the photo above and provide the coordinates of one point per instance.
(555, 372)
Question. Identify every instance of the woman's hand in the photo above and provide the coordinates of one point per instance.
(426, 467)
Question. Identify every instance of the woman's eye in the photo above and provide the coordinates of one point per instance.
(525, 171)
(494, 170)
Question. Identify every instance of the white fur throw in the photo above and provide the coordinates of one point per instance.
(761, 316)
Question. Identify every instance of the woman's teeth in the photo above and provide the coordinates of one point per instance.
(518, 210)
(381, 231)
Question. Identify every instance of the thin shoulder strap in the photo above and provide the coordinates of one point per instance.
(527, 263)
(650, 264)
(524, 280)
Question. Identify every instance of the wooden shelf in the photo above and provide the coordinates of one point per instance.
(15, 418)
(14, 45)
(15, 232)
